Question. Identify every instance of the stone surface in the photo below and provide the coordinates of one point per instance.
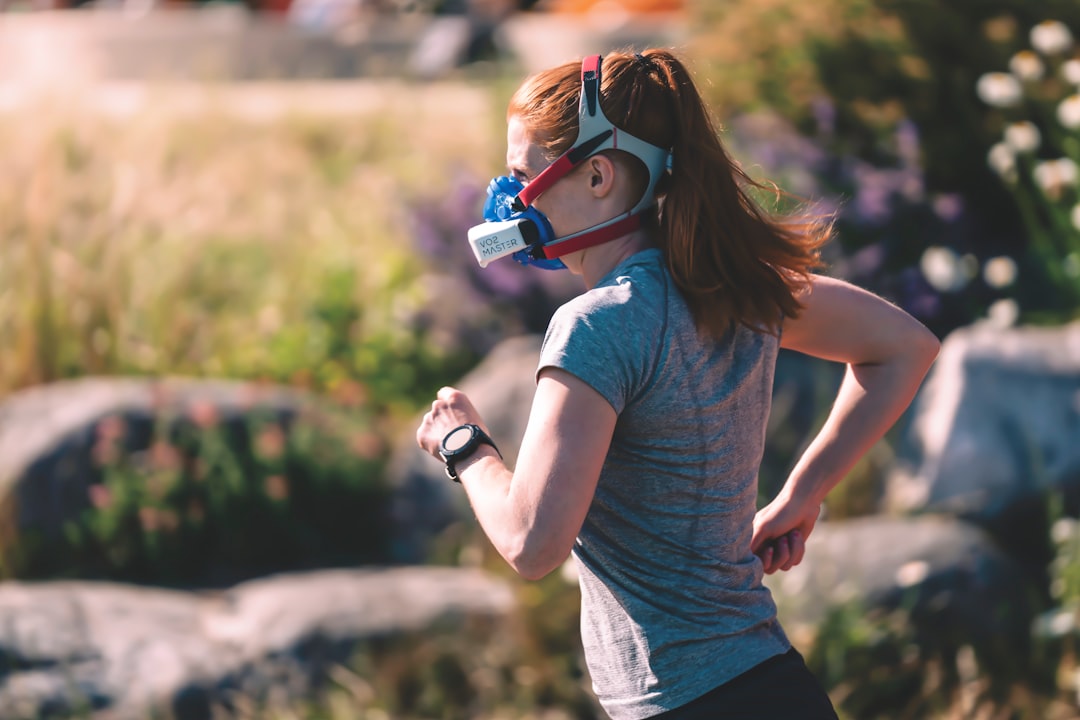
(219, 43)
(129, 651)
(996, 425)
(48, 433)
(954, 583)
(51, 437)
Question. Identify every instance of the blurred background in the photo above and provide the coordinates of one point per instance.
(233, 273)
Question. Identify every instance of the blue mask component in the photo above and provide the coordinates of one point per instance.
(498, 207)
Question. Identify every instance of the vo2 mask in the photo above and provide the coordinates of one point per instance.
(513, 226)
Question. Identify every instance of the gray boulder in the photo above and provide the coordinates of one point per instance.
(996, 425)
(48, 433)
(56, 441)
(953, 585)
(997, 419)
(131, 652)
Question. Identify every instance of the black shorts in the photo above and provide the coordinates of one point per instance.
(781, 688)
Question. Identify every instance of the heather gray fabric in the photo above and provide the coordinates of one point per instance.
(672, 600)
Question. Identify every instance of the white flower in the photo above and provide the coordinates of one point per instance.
(1051, 37)
(999, 89)
(1071, 265)
(1027, 66)
(1002, 160)
(1075, 216)
(999, 272)
(942, 269)
(1003, 313)
(1063, 530)
(1070, 70)
(1068, 112)
(912, 573)
(1023, 136)
(1053, 175)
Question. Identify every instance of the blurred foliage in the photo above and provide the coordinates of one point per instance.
(876, 668)
(207, 501)
(885, 89)
(479, 668)
(203, 244)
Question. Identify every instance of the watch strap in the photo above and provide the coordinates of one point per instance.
(479, 437)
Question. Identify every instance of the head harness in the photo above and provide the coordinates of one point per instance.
(523, 231)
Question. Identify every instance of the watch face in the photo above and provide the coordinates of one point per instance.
(457, 439)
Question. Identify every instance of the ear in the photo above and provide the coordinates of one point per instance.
(601, 172)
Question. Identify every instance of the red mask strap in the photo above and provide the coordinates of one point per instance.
(590, 238)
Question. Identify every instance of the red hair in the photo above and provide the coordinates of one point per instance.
(733, 261)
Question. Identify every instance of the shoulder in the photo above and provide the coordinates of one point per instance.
(634, 292)
(610, 336)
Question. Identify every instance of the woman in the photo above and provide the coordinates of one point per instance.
(647, 428)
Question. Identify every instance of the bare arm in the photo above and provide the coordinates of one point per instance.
(887, 353)
(533, 514)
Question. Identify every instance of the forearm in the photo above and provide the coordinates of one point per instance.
(887, 353)
(488, 482)
(533, 514)
(870, 400)
(532, 531)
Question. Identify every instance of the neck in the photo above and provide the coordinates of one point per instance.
(596, 262)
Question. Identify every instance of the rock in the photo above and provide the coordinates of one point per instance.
(954, 584)
(998, 419)
(995, 435)
(62, 443)
(502, 388)
(48, 433)
(133, 652)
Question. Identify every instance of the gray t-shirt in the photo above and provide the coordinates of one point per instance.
(672, 599)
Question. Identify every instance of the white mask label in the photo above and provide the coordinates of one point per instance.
(493, 240)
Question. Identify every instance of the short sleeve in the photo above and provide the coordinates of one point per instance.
(607, 338)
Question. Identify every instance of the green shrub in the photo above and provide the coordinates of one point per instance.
(887, 90)
(210, 501)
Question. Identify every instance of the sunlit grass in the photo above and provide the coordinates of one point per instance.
(155, 241)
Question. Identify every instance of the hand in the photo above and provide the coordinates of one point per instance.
(450, 409)
(782, 553)
(781, 530)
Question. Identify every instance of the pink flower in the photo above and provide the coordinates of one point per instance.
(109, 432)
(276, 487)
(203, 414)
(111, 428)
(367, 445)
(149, 519)
(164, 456)
(100, 496)
(270, 442)
(349, 393)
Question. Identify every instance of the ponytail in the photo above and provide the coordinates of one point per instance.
(733, 262)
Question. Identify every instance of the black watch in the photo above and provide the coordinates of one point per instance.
(460, 443)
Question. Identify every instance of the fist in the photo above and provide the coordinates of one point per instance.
(450, 409)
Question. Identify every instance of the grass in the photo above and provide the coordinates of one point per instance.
(162, 242)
